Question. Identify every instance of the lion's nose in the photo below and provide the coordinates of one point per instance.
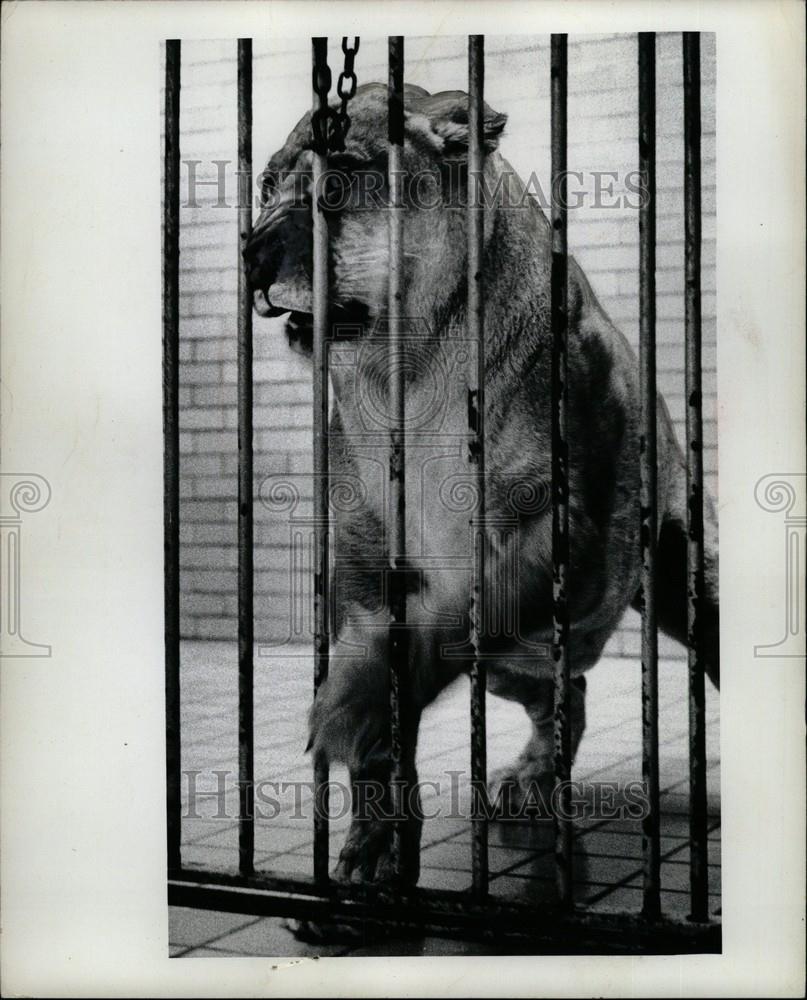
(261, 253)
(285, 204)
(266, 243)
(268, 219)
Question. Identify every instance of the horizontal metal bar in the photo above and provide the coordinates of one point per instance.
(444, 913)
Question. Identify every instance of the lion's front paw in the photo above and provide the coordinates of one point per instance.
(366, 849)
(522, 789)
(367, 855)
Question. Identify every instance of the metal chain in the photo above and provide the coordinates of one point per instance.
(330, 126)
(321, 74)
(347, 76)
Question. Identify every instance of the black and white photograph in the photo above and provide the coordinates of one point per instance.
(441, 458)
(402, 509)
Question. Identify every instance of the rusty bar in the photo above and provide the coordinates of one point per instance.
(170, 374)
(651, 846)
(476, 454)
(694, 452)
(246, 583)
(319, 48)
(432, 911)
(401, 737)
(560, 469)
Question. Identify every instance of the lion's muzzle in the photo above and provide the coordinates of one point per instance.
(278, 257)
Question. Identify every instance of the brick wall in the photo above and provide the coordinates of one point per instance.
(602, 137)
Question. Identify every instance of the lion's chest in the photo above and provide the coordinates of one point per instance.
(440, 487)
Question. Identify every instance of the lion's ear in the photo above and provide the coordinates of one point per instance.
(442, 120)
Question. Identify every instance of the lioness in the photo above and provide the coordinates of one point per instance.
(349, 720)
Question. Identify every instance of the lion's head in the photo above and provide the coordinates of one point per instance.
(354, 193)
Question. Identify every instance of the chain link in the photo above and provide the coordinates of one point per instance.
(347, 76)
(330, 126)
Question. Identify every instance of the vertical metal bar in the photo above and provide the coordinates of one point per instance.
(246, 586)
(170, 375)
(476, 452)
(400, 723)
(694, 433)
(560, 474)
(651, 848)
(319, 48)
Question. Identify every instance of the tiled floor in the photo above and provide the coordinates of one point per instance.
(608, 872)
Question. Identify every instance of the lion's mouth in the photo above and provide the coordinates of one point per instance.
(263, 307)
(300, 330)
(344, 315)
(347, 322)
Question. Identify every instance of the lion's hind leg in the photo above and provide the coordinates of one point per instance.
(533, 769)
(671, 588)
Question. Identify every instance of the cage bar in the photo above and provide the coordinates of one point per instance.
(446, 912)
(560, 473)
(246, 581)
(401, 739)
(170, 378)
(651, 846)
(321, 324)
(694, 454)
(476, 455)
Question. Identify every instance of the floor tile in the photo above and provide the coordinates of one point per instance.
(194, 927)
(607, 854)
(271, 937)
